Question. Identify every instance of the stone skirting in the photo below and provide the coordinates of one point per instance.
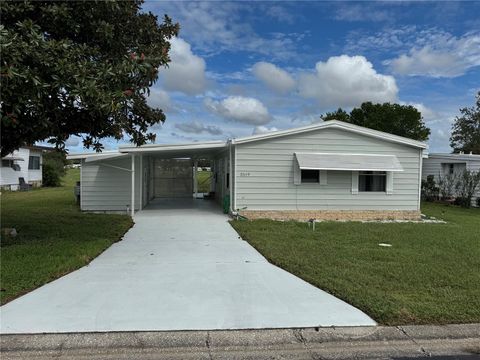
(332, 215)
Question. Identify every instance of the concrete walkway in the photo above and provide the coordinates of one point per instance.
(181, 267)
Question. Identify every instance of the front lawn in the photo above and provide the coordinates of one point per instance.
(54, 237)
(430, 275)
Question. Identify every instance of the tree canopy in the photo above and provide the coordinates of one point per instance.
(401, 120)
(79, 68)
(466, 129)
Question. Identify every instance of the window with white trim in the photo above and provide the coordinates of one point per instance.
(372, 181)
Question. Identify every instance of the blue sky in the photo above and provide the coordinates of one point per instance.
(240, 68)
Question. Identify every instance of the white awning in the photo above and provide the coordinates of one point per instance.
(348, 162)
(14, 158)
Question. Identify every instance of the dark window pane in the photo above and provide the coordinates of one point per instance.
(34, 163)
(310, 176)
(372, 181)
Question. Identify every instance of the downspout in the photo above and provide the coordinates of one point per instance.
(141, 182)
(420, 174)
(234, 176)
(82, 163)
(132, 205)
(230, 178)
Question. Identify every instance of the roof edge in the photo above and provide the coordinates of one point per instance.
(335, 124)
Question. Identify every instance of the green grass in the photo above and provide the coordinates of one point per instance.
(431, 274)
(203, 180)
(54, 237)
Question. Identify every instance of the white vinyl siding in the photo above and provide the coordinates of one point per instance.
(270, 175)
(9, 176)
(105, 187)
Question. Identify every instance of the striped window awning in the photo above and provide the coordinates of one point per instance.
(348, 162)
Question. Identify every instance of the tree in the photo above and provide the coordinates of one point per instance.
(339, 114)
(79, 67)
(401, 120)
(466, 130)
(53, 168)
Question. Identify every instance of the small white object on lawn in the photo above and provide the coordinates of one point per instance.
(385, 245)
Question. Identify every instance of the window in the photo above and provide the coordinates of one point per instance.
(228, 181)
(451, 168)
(310, 176)
(34, 163)
(7, 163)
(372, 181)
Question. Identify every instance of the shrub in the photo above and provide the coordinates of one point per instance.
(53, 168)
(461, 201)
(429, 189)
(465, 187)
(446, 185)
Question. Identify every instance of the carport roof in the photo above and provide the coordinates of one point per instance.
(194, 150)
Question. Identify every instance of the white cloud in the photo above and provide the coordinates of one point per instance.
(72, 141)
(219, 26)
(275, 78)
(422, 51)
(362, 12)
(186, 71)
(242, 109)
(257, 130)
(347, 81)
(196, 127)
(280, 13)
(159, 99)
(443, 56)
(428, 114)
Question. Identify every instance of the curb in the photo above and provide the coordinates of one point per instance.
(225, 338)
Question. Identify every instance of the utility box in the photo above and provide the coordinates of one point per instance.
(76, 191)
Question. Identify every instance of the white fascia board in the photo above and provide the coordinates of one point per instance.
(454, 156)
(170, 147)
(104, 154)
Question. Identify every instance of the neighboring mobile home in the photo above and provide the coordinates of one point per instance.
(330, 170)
(24, 163)
(442, 164)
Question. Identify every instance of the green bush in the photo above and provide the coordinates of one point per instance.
(53, 168)
(430, 190)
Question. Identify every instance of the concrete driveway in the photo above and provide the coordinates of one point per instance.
(181, 267)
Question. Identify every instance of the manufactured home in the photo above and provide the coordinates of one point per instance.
(440, 165)
(22, 168)
(331, 170)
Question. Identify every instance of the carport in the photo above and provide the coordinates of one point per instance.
(133, 177)
(168, 173)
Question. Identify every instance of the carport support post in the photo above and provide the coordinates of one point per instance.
(195, 184)
(132, 205)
